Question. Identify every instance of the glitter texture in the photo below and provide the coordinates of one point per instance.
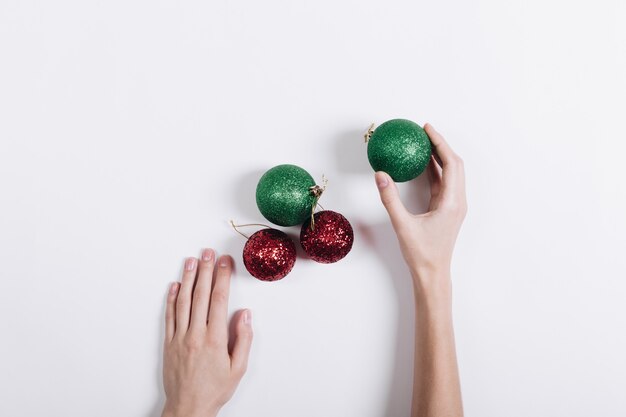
(330, 240)
(283, 195)
(269, 255)
(399, 147)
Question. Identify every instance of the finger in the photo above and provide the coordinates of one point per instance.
(442, 149)
(218, 310)
(202, 291)
(390, 198)
(434, 174)
(453, 176)
(183, 303)
(243, 342)
(170, 311)
(437, 159)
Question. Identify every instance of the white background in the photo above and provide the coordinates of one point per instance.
(132, 131)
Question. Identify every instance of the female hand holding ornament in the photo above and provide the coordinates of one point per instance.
(427, 242)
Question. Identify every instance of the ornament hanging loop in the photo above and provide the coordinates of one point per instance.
(369, 133)
(237, 226)
(317, 191)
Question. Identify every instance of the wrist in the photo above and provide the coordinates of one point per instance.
(430, 273)
(181, 411)
(432, 286)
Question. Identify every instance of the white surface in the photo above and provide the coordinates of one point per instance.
(132, 131)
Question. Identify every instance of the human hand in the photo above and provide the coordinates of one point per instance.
(427, 240)
(199, 373)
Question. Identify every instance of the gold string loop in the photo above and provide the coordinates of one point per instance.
(317, 191)
(369, 132)
(237, 226)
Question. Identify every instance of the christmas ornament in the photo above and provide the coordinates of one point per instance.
(327, 237)
(269, 254)
(399, 147)
(286, 195)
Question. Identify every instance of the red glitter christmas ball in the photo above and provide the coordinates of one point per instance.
(328, 239)
(269, 255)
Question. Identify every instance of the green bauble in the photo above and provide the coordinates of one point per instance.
(283, 195)
(399, 147)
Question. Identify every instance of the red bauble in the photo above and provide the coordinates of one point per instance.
(269, 255)
(329, 240)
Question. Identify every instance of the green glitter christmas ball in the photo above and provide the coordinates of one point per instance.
(399, 147)
(283, 195)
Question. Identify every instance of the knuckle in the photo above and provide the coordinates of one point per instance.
(246, 336)
(213, 341)
(192, 343)
(219, 296)
(453, 206)
(387, 200)
(199, 294)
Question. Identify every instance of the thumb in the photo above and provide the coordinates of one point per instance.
(243, 342)
(390, 197)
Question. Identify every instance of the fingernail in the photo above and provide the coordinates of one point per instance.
(247, 317)
(381, 180)
(190, 264)
(224, 262)
(207, 255)
(174, 288)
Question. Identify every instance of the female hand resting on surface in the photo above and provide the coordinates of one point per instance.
(199, 372)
